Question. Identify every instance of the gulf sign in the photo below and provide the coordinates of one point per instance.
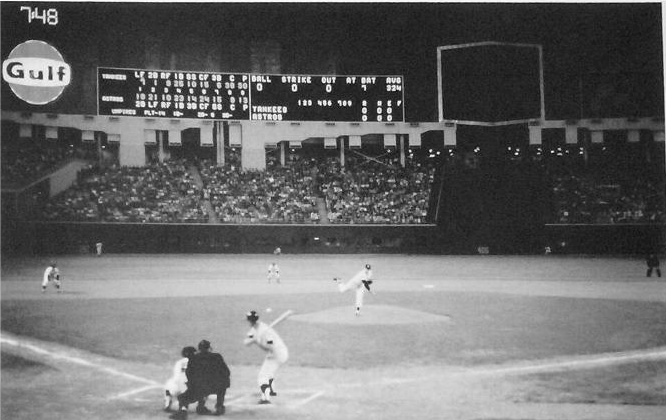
(36, 72)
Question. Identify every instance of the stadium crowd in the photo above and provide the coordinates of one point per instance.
(26, 161)
(318, 189)
(369, 191)
(604, 186)
(161, 193)
(277, 195)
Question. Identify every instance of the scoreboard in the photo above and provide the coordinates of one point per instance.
(326, 98)
(172, 94)
(257, 97)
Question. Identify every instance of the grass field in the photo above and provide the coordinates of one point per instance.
(444, 337)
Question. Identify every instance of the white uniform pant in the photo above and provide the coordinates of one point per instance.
(45, 282)
(360, 291)
(270, 367)
(176, 386)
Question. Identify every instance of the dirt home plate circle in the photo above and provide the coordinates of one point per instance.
(36, 72)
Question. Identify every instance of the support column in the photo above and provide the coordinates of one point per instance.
(535, 135)
(450, 135)
(571, 134)
(633, 136)
(252, 136)
(283, 153)
(161, 144)
(219, 142)
(175, 137)
(658, 137)
(597, 136)
(401, 146)
(132, 147)
(342, 152)
(98, 143)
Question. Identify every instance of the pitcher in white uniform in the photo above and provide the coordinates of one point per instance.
(360, 283)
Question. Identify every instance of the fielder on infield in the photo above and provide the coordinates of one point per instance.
(51, 274)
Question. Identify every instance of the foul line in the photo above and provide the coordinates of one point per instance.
(579, 362)
(134, 391)
(76, 360)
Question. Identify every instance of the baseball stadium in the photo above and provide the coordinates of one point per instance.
(442, 210)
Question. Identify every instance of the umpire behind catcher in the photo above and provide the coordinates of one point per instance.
(207, 373)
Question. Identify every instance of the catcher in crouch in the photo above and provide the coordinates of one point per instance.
(360, 283)
(277, 354)
(177, 384)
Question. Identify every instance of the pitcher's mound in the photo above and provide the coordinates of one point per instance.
(370, 314)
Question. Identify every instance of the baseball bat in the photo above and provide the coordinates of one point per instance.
(281, 318)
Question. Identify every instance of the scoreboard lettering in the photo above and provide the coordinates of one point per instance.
(173, 94)
(257, 97)
(326, 98)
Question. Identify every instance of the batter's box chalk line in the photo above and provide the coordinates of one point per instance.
(243, 400)
(292, 399)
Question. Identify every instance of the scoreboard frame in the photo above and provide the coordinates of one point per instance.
(275, 106)
(440, 98)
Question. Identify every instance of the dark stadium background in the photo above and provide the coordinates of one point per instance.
(600, 60)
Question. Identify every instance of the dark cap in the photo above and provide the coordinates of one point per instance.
(188, 351)
(204, 345)
(252, 316)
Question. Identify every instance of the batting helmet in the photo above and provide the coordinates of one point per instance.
(252, 316)
(204, 345)
(53, 264)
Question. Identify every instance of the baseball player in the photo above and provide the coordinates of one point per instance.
(360, 283)
(652, 261)
(277, 354)
(273, 272)
(207, 373)
(51, 274)
(177, 384)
